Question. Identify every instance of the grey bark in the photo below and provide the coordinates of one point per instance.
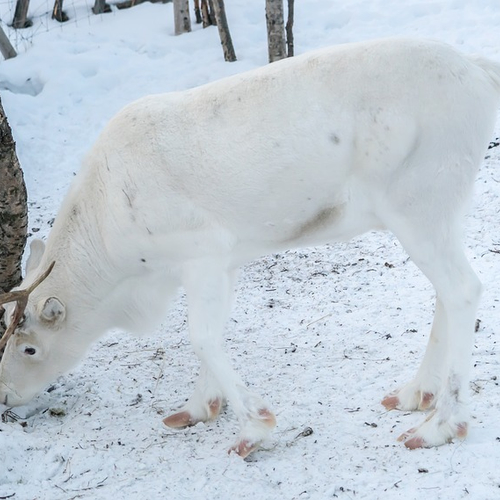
(101, 7)
(21, 15)
(207, 13)
(289, 29)
(6, 47)
(225, 35)
(275, 30)
(57, 13)
(197, 11)
(13, 209)
(182, 19)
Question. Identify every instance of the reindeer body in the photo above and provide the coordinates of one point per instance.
(181, 189)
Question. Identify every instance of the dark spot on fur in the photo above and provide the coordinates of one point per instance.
(74, 211)
(323, 219)
(143, 260)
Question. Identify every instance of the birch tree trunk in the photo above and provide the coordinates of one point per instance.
(275, 30)
(6, 47)
(207, 13)
(57, 13)
(13, 209)
(21, 15)
(182, 20)
(101, 7)
(197, 11)
(225, 35)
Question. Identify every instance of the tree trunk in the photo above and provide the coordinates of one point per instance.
(5, 46)
(275, 30)
(13, 209)
(211, 12)
(57, 13)
(225, 35)
(197, 11)
(21, 15)
(128, 4)
(101, 7)
(207, 15)
(289, 29)
(182, 20)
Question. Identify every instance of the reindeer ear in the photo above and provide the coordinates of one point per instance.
(37, 247)
(53, 311)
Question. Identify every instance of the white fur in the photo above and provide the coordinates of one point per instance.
(181, 189)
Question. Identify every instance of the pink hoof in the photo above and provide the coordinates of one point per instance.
(268, 418)
(426, 401)
(390, 402)
(185, 419)
(462, 430)
(179, 420)
(214, 408)
(414, 443)
(244, 448)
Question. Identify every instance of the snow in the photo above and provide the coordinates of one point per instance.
(321, 333)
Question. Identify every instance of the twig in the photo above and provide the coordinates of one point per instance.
(319, 319)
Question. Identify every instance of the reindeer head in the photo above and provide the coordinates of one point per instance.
(28, 358)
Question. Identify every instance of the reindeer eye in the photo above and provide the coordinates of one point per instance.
(30, 351)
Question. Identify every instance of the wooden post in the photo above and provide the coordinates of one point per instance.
(182, 20)
(225, 35)
(20, 15)
(6, 47)
(289, 29)
(275, 30)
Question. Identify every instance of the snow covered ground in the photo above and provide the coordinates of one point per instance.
(321, 333)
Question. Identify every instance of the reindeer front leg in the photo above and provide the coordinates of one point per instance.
(209, 289)
(204, 404)
(421, 392)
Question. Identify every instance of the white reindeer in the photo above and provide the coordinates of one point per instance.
(181, 189)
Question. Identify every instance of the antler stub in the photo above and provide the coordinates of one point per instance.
(21, 299)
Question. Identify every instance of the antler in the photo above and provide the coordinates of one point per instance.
(21, 299)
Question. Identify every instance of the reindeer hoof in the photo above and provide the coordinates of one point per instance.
(186, 419)
(390, 402)
(434, 431)
(409, 400)
(254, 433)
(244, 448)
(179, 420)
